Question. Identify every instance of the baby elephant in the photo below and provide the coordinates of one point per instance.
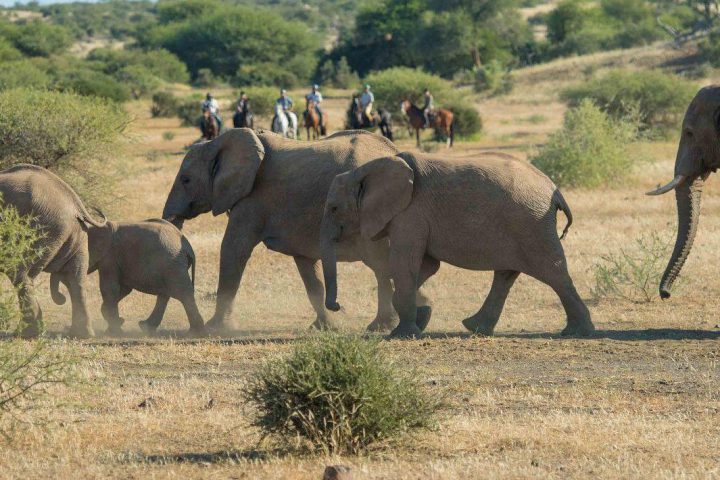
(489, 213)
(151, 256)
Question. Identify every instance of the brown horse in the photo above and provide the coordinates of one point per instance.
(441, 119)
(312, 121)
(209, 125)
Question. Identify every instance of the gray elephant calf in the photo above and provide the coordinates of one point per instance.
(491, 213)
(152, 257)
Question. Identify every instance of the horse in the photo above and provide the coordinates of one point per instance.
(312, 121)
(382, 119)
(243, 119)
(209, 125)
(280, 122)
(441, 119)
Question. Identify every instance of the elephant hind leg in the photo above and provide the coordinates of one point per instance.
(197, 324)
(485, 320)
(31, 324)
(152, 323)
(555, 274)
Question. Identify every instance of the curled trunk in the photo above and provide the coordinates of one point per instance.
(329, 265)
(688, 196)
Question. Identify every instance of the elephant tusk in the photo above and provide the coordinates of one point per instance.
(670, 186)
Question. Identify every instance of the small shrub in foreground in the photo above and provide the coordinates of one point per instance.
(632, 274)
(590, 149)
(164, 104)
(339, 393)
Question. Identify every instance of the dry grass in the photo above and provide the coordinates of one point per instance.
(639, 401)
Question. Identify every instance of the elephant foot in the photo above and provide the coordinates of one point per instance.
(406, 331)
(31, 330)
(584, 329)
(217, 324)
(383, 324)
(80, 332)
(324, 325)
(423, 317)
(148, 326)
(479, 327)
(197, 332)
(114, 331)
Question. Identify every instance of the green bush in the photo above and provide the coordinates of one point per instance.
(188, 111)
(139, 80)
(205, 78)
(338, 74)
(159, 63)
(710, 48)
(659, 99)
(262, 99)
(17, 248)
(63, 132)
(339, 393)
(590, 149)
(8, 52)
(495, 78)
(164, 104)
(632, 274)
(393, 85)
(466, 119)
(22, 73)
(41, 39)
(91, 83)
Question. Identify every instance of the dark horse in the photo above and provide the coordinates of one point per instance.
(359, 120)
(441, 119)
(243, 117)
(209, 125)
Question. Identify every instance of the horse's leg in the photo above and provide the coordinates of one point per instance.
(417, 137)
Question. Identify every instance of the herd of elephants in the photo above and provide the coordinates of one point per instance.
(352, 196)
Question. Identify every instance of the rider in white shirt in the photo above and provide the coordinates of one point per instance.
(211, 104)
(366, 102)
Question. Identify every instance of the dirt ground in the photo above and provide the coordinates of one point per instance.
(641, 399)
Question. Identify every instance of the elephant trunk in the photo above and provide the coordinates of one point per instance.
(688, 195)
(329, 265)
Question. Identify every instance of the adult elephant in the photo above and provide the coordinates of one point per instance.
(274, 190)
(60, 214)
(698, 155)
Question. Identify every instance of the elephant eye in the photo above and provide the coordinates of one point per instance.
(333, 209)
(184, 180)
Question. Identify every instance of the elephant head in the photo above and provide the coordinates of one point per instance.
(361, 202)
(698, 155)
(215, 175)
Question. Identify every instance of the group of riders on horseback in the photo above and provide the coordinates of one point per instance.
(361, 115)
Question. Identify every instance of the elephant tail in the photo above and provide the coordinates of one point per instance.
(57, 297)
(190, 257)
(562, 205)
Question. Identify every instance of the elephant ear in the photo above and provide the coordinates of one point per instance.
(236, 157)
(384, 189)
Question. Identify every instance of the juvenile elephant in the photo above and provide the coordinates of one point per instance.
(698, 155)
(60, 214)
(274, 190)
(490, 213)
(152, 257)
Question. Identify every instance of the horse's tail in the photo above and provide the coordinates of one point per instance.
(452, 131)
(323, 129)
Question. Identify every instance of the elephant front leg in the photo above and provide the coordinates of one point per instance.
(308, 269)
(237, 246)
(484, 321)
(386, 318)
(405, 267)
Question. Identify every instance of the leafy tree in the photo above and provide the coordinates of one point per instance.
(239, 41)
(41, 39)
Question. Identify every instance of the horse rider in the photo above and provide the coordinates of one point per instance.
(212, 105)
(316, 96)
(428, 107)
(366, 102)
(285, 102)
(243, 105)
